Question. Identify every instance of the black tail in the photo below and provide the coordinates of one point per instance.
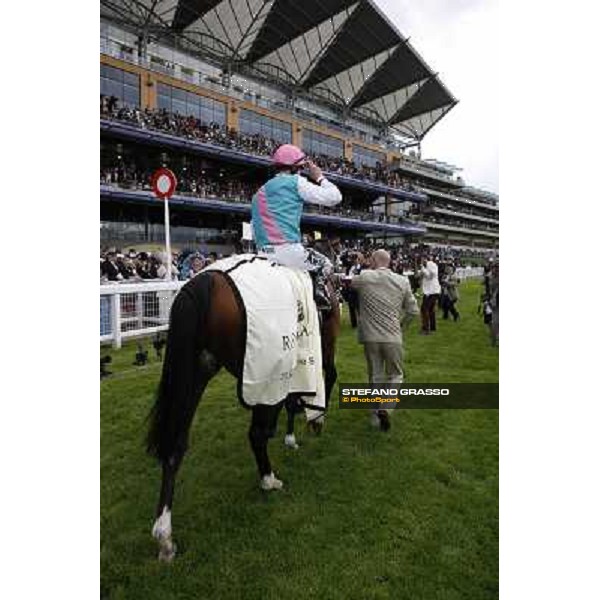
(177, 395)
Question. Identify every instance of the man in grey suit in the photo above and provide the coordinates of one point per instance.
(387, 305)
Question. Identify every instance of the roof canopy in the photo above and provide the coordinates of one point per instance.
(345, 52)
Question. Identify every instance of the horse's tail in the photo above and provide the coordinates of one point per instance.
(176, 398)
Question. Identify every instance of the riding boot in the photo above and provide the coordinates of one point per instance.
(319, 292)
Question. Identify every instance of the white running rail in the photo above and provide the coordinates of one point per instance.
(129, 310)
(469, 272)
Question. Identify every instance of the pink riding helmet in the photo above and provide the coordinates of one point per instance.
(289, 155)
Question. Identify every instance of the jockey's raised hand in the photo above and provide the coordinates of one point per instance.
(314, 171)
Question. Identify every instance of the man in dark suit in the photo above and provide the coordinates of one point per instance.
(351, 294)
(110, 268)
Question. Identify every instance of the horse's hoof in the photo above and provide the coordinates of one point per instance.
(270, 482)
(290, 442)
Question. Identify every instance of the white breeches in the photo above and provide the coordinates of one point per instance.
(297, 256)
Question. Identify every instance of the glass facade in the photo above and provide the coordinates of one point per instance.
(115, 232)
(316, 143)
(364, 156)
(252, 123)
(123, 85)
(180, 101)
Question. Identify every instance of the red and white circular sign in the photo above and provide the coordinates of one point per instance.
(164, 183)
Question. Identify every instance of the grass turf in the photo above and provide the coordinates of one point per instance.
(411, 514)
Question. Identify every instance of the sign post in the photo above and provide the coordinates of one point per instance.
(164, 183)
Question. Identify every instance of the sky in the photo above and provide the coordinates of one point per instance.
(458, 39)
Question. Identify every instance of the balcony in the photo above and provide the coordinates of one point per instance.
(453, 213)
(460, 199)
(417, 167)
(155, 137)
(457, 246)
(470, 231)
(215, 205)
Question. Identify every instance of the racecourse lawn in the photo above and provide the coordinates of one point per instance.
(408, 514)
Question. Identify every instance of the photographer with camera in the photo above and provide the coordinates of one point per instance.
(349, 294)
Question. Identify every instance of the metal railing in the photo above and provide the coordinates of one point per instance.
(469, 272)
(130, 310)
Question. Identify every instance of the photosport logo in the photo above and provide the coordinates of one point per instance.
(418, 395)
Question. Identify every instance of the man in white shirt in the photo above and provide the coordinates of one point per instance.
(431, 288)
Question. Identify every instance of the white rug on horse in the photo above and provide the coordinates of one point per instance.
(283, 341)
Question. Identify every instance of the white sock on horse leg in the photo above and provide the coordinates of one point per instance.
(162, 532)
(162, 529)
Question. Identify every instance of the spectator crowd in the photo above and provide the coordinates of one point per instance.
(407, 257)
(193, 128)
(207, 184)
(119, 265)
(430, 271)
(133, 266)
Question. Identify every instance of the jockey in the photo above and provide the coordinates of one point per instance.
(277, 210)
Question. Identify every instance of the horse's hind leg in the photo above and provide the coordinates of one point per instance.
(262, 427)
(162, 529)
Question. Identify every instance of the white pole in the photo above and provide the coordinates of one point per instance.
(168, 239)
(116, 320)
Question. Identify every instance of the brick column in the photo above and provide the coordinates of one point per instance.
(296, 134)
(233, 116)
(347, 150)
(148, 90)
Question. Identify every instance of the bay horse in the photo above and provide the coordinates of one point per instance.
(206, 333)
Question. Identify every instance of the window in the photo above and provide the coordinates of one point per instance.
(316, 143)
(180, 101)
(364, 156)
(123, 85)
(252, 123)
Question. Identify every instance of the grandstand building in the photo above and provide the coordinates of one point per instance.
(210, 88)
